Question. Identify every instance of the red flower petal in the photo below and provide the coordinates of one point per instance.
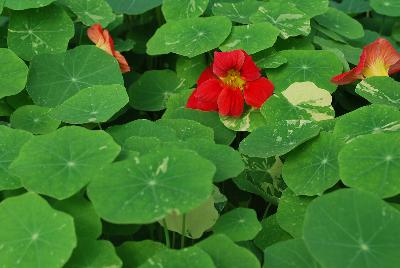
(209, 90)
(258, 91)
(195, 103)
(205, 75)
(381, 51)
(249, 71)
(395, 68)
(101, 38)
(230, 102)
(123, 64)
(226, 61)
(352, 75)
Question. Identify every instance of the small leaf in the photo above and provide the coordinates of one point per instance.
(133, 7)
(135, 253)
(26, 4)
(271, 233)
(183, 9)
(13, 74)
(35, 119)
(386, 7)
(380, 90)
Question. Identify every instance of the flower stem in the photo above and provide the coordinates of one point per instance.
(166, 234)
(183, 231)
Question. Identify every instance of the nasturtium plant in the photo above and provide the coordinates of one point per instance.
(199, 133)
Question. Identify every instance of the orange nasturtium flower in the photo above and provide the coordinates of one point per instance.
(379, 58)
(104, 41)
(231, 81)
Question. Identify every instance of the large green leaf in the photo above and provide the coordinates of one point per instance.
(189, 37)
(59, 164)
(291, 212)
(354, 229)
(152, 90)
(133, 7)
(39, 31)
(380, 90)
(55, 78)
(13, 74)
(369, 119)
(226, 254)
(92, 105)
(35, 119)
(156, 185)
(183, 9)
(252, 38)
(278, 138)
(193, 257)
(239, 224)
(306, 65)
(189, 69)
(310, 7)
(371, 163)
(94, 253)
(90, 12)
(11, 141)
(289, 254)
(34, 235)
(188, 129)
(313, 167)
(386, 7)
(286, 17)
(341, 23)
(26, 4)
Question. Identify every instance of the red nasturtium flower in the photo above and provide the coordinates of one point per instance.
(104, 41)
(232, 80)
(379, 58)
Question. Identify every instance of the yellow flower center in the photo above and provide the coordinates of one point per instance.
(378, 68)
(233, 79)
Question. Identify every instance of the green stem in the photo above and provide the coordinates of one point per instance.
(99, 126)
(183, 231)
(266, 210)
(166, 234)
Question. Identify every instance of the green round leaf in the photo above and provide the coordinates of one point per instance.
(289, 254)
(222, 134)
(386, 7)
(59, 164)
(251, 38)
(90, 12)
(87, 222)
(313, 167)
(188, 129)
(189, 69)
(133, 7)
(39, 31)
(35, 119)
(152, 90)
(271, 233)
(352, 6)
(141, 145)
(95, 104)
(94, 253)
(13, 74)
(135, 253)
(310, 7)
(291, 212)
(369, 119)
(26, 4)
(350, 228)
(54, 78)
(278, 138)
(370, 163)
(238, 11)
(34, 235)
(287, 18)
(239, 224)
(269, 58)
(226, 254)
(156, 185)
(248, 121)
(183, 9)
(193, 257)
(306, 65)
(189, 37)
(11, 141)
(380, 90)
(141, 128)
(197, 221)
(341, 23)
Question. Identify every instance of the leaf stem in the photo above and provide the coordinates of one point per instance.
(183, 231)
(166, 234)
